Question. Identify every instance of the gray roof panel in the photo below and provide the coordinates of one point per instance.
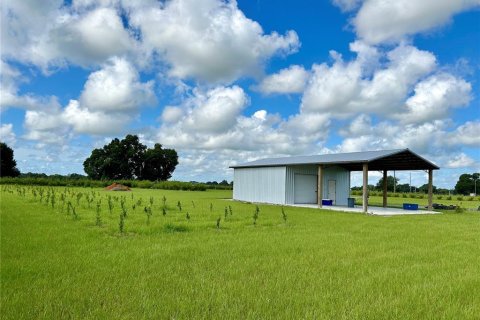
(333, 158)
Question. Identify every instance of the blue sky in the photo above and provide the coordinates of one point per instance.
(224, 82)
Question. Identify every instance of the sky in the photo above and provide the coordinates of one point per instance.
(225, 82)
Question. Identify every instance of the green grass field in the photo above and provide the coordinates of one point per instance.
(317, 265)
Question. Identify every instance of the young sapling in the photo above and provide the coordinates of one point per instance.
(98, 219)
(255, 215)
(164, 201)
(284, 215)
(121, 224)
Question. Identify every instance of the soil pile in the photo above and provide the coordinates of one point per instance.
(117, 187)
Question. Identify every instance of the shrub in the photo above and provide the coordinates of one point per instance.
(459, 209)
(460, 198)
(144, 184)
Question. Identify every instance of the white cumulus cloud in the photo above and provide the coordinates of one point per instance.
(378, 21)
(7, 135)
(467, 134)
(116, 87)
(434, 97)
(352, 87)
(87, 121)
(460, 161)
(49, 34)
(290, 80)
(92, 37)
(213, 120)
(209, 40)
(46, 125)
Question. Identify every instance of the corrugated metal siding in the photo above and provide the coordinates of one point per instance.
(265, 184)
(290, 179)
(342, 178)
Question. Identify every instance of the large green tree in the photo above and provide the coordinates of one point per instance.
(390, 183)
(466, 183)
(130, 159)
(8, 166)
(159, 163)
(424, 188)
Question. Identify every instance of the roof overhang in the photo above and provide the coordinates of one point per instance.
(399, 160)
(403, 160)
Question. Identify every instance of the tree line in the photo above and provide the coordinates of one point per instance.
(129, 159)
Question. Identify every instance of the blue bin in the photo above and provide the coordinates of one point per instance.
(327, 202)
(351, 202)
(410, 206)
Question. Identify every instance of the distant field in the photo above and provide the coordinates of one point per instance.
(59, 263)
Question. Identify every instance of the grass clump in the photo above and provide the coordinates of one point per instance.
(173, 228)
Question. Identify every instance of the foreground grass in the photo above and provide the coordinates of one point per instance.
(317, 265)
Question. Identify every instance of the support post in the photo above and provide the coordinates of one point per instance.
(365, 187)
(430, 188)
(384, 188)
(320, 185)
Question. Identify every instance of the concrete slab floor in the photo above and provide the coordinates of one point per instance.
(378, 211)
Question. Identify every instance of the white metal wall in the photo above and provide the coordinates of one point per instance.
(342, 178)
(264, 184)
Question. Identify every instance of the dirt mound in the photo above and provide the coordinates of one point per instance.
(117, 187)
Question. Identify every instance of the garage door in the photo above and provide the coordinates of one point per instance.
(305, 187)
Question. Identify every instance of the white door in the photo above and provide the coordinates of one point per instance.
(305, 188)
(332, 184)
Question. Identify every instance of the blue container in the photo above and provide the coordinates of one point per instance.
(410, 206)
(327, 202)
(351, 202)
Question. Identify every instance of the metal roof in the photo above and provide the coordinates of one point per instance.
(398, 159)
